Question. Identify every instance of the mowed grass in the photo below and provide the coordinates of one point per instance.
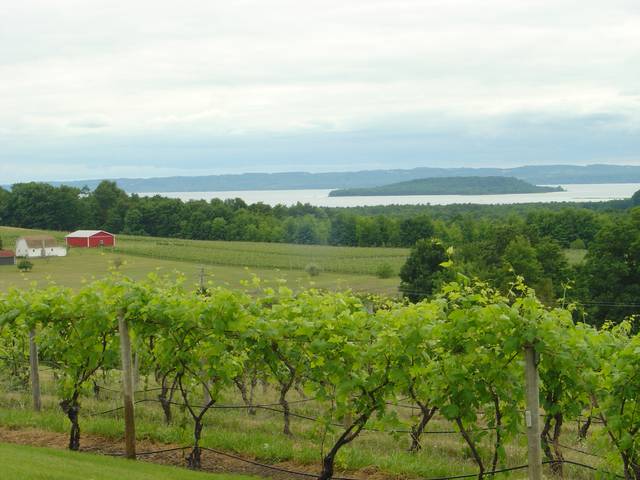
(37, 463)
(86, 264)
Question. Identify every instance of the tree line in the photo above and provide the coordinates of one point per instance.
(42, 206)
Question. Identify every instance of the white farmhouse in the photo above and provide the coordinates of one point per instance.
(39, 246)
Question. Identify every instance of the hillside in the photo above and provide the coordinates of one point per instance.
(536, 174)
(449, 186)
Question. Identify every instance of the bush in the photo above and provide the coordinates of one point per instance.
(25, 265)
(313, 269)
(578, 244)
(384, 270)
(117, 263)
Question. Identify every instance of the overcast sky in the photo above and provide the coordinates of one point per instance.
(96, 89)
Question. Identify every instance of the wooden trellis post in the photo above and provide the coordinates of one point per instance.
(532, 414)
(127, 388)
(35, 372)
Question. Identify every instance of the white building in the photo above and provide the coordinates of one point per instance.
(39, 246)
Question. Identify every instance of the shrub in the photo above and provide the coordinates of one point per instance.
(117, 263)
(578, 244)
(384, 270)
(313, 269)
(25, 265)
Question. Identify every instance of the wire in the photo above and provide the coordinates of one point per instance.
(580, 451)
(138, 454)
(577, 464)
(271, 467)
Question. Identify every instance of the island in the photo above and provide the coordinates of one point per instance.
(496, 185)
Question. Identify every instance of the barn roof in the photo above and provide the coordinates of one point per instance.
(7, 253)
(86, 233)
(39, 241)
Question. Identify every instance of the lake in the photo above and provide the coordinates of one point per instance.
(320, 198)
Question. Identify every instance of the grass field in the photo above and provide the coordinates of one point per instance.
(138, 255)
(37, 463)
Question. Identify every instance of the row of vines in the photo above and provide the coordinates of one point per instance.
(459, 354)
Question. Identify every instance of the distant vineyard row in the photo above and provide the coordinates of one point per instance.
(265, 255)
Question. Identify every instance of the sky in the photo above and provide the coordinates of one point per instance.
(95, 89)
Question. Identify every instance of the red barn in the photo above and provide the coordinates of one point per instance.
(7, 257)
(90, 238)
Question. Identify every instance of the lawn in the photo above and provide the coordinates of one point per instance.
(139, 260)
(37, 463)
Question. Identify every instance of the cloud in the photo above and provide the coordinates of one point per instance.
(80, 76)
(90, 121)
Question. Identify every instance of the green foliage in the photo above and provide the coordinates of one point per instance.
(619, 401)
(313, 269)
(33, 205)
(424, 272)
(610, 276)
(25, 265)
(521, 257)
(458, 353)
(577, 244)
(414, 229)
(384, 270)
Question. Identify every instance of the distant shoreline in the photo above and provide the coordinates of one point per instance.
(493, 185)
(534, 174)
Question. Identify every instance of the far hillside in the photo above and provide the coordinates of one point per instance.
(449, 186)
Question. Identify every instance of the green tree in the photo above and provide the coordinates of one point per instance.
(106, 205)
(4, 200)
(522, 258)
(218, 229)
(40, 205)
(343, 230)
(415, 228)
(424, 271)
(610, 276)
(133, 222)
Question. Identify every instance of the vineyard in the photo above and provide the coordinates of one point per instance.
(265, 255)
(333, 382)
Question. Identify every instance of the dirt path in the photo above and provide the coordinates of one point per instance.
(211, 462)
